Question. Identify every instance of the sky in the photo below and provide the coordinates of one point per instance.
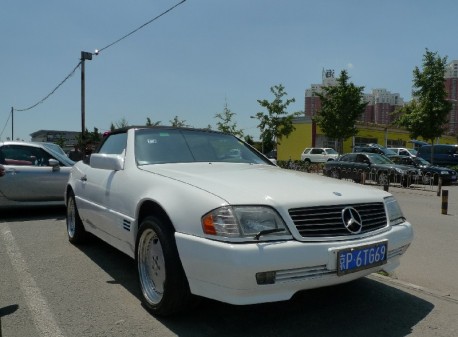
(201, 56)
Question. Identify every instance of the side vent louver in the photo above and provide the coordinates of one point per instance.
(126, 225)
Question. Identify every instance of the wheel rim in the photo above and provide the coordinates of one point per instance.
(335, 174)
(383, 179)
(151, 266)
(71, 217)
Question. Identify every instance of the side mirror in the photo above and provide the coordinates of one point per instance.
(54, 164)
(112, 162)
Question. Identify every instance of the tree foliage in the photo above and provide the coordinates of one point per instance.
(226, 124)
(119, 124)
(150, 123)
(179, 123)
(426, 115)
(276, 123)
(341, 106)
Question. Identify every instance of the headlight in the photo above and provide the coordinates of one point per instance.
(399, 170)
(245, 222)
(444, 172)
(395, 215)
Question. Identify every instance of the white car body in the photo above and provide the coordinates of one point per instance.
(319, 154)
(114, 193)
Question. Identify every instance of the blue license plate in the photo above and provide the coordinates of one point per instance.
(358, 258)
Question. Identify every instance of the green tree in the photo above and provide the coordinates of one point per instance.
(341, 106)
(118, 125)
(60, 141)
(150, 123)
(276, 123)
(426, 115)
(176, 122)
(226, 124)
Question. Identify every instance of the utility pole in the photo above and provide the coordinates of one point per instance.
(12, 123)
(84, 56)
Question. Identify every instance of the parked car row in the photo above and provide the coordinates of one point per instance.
(430, 173)
(375, 166)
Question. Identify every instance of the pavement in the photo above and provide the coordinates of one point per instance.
(430, 262)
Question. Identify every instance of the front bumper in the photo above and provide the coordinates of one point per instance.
(227, 272)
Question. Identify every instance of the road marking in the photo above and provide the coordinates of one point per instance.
(42, 316)
(411, 286)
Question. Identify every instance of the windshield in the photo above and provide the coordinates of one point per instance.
(162, 145)
(331, 151)
(421, 161)
(378, 159)
(388, 151)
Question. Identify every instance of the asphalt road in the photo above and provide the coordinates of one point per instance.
(49, 287)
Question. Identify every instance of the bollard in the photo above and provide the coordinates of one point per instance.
(386, 187)
(439, 185)
(444, 201)
(363, 178)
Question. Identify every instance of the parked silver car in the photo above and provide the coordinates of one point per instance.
(32, 175)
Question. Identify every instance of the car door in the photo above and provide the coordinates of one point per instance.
(28, 175)
(99, 193)
(317, 156)
(345, 165)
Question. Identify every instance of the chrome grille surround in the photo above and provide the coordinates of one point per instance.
(326, 221)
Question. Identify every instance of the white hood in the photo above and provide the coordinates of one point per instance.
(263, 184)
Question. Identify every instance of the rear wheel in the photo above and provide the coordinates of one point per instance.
(75, 229)
(163, 283)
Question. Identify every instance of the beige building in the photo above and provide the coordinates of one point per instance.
(55, 136)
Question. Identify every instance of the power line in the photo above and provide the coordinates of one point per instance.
(98, 51)
(9, 116)
(53, 91)
(142, 26)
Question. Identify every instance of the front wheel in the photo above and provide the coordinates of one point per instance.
(75, 229)
(383, 179)
(163, 283)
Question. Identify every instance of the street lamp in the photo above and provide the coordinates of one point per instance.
(84, 56)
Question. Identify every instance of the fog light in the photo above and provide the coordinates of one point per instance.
(267, 277)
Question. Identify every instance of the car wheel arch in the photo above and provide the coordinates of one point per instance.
(148, 208)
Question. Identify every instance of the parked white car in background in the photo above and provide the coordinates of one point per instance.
(194, 210)
(319, 154)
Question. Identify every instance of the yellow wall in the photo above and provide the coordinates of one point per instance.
(301, 138)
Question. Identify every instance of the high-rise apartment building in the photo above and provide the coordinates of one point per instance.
(451, 87)
(381, 102)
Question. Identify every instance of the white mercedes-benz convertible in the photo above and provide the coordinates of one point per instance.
(204, 214)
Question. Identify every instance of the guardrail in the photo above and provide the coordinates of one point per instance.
(425, 181)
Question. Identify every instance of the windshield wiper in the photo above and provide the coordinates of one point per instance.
(268, 231)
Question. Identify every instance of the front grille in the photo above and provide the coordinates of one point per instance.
(326, 221)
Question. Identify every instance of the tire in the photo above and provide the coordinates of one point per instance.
(75, 228)
(405, 182)
(383, 179)
(163, 284)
